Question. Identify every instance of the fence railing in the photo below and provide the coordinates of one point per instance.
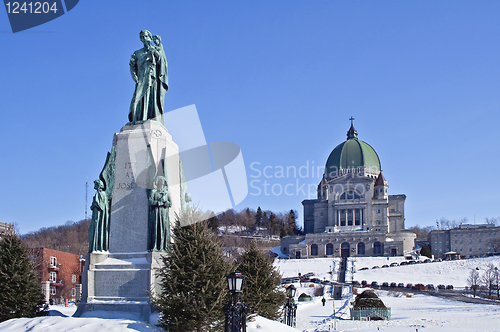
(371, 313)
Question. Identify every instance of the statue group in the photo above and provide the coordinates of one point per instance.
(148, 67)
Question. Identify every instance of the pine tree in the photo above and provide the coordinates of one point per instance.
(426, 251)
(261, 291)
(20, 293)
(193, 278)
(258, 217)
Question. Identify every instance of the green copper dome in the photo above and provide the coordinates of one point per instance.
(352, 153)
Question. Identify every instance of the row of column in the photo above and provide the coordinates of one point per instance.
(342, 218)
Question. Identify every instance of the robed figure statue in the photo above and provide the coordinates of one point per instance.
(101, 206)
(148, 67)
(99, 227)
(159, 225)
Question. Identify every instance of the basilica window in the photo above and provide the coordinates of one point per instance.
(361, 248)
(377, 248)
(314, 250)
(329, 249)
(351, 194)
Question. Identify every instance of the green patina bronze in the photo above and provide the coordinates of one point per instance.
(101, 206)
(148, 67)
(159, 204)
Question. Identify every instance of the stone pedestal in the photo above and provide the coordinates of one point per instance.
(122, 278)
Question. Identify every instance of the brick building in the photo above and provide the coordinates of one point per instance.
(6, 229)
(58, 272)
(467, 240)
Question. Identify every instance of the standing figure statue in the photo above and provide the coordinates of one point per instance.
(148, 67)
(99, 227)
(159, 225)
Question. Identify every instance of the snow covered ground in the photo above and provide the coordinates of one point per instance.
(419, 312)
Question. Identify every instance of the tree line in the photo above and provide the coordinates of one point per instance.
(487, 279)
(72, 237)
(446, 224)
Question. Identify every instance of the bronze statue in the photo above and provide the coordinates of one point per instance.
(148, 67)
(99, 227)
(101, 206)
(159, 225)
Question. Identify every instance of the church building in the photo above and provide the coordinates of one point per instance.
(353, 215)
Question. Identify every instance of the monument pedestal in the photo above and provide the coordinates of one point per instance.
(123, 278)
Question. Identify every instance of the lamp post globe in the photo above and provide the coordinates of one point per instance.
(235, 310)
(235, 282)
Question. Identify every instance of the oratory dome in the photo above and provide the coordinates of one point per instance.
(352, 154)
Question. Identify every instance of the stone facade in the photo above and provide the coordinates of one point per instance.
(353, 215)
(123, 278)
(467, 240)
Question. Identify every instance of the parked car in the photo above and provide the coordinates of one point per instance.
(363, 268)
(374, 284)
(384, 266)
(385, 284)
(428, 260)
(449, 286)
(409, 285)
(419, 287)
(401, 285)
(412, 262)
(403, 263)
(364, 283)
(376, 267)
(438, 260)
(356, 283)
(394, 264)
(431, 287)
(441, 286)
(316, 280)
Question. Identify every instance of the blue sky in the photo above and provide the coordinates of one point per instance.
(280, 79)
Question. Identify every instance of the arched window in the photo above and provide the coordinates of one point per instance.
(350, 195)
(377, 248)
(314, 250)
(345, 249)
(329, 249)
(361, 248)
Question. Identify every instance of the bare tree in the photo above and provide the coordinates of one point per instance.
(494, 244)
(488, 278)
(491, 221)
(473, 280)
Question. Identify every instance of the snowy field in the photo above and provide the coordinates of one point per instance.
(419, 312)
(447, 273)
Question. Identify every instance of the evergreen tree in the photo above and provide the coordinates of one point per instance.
(426, 251)
(193, 278)
(213, 224)
(20, 293)
(261, 291)
(258, 217)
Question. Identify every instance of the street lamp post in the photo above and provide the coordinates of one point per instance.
(290, 306)
(235, 310)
